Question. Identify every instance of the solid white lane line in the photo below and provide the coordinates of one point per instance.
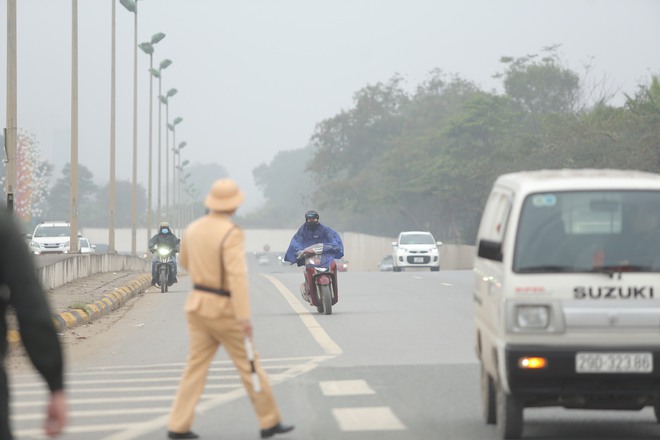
(345, 388)
(328, 345)
(367, 419)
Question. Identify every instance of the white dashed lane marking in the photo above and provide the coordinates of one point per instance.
(345, 388)
(367, 419)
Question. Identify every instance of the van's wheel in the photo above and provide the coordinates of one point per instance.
(435, 269)
(656, 410)
(509, 415)
(488, 403)
(396, 269)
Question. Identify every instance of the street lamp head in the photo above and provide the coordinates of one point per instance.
(129, 4)
(165, 63)
(182, 144)
(155, 38)
(170, 126)
(155, 72)
(163, 99)
(147, 48)
(177, 120)
(185, 162)
(171, 92)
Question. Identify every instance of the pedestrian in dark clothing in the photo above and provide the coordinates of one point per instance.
(22, 291)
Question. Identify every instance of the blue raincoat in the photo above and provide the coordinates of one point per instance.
(306, 236)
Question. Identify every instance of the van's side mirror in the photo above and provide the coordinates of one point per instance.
(394, 243)
(28, 236)
(439, 243)
(490, 250)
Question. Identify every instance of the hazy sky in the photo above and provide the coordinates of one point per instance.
(255, 76)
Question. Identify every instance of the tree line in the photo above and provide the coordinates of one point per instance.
(426, 159)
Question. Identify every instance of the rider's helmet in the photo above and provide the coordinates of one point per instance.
(312, 218)
(311, 214)
(164, 228)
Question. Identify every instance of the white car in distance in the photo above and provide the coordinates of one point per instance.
(416, 249)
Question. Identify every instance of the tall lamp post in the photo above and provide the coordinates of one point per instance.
(166, 100)
(148, 48)
(12, 108)
(158, 74)
(131, 5)
(73, 237)
(171, 127)
(176, 189)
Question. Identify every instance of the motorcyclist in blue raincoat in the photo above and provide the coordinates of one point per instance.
(312, 232)
(165, 237)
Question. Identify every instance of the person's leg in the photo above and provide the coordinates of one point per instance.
(174, 268)
(202, 349)
(5, 432)
(154, 275)
(263, 402)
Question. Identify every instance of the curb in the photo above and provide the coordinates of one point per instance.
(107, 303)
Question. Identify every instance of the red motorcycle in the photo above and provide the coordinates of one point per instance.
(320, 286)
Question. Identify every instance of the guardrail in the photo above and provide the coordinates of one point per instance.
(78, 266)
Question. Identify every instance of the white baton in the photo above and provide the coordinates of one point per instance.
(250, 355)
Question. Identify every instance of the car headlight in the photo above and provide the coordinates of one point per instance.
(532, 316)
(34, 244)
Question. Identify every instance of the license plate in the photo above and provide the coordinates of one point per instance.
(589, 362)
(418, 259)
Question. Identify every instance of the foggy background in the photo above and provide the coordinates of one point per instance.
(255, 77)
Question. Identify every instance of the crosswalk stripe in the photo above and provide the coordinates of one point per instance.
(345, 388)
(97, 413)
(367, 419)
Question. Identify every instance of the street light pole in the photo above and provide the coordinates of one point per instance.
(165, 100)
(111, 182)
(12, 109)
(176, 190)
(158, 74)
(148, 48)
(172, 127)
(73, 236)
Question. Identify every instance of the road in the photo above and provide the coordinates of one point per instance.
(395, 360)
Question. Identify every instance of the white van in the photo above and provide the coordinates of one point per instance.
(567, 293)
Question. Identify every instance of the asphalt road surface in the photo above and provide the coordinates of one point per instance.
(395, 360)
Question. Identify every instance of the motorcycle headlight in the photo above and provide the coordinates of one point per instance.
(532, 316)
(322, 269)
(163, 251)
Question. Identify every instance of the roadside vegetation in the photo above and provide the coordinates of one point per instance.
(426, 159)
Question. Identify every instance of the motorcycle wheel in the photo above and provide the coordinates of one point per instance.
(319, 302)
(163, 281)
(326, 299)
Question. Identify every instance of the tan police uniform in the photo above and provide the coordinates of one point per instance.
(213, 252)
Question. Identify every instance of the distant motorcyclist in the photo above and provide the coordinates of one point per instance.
(312, 232)
(164, 237)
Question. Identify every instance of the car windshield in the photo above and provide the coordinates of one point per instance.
(52, 231)
(416, 239)
(589, 231)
